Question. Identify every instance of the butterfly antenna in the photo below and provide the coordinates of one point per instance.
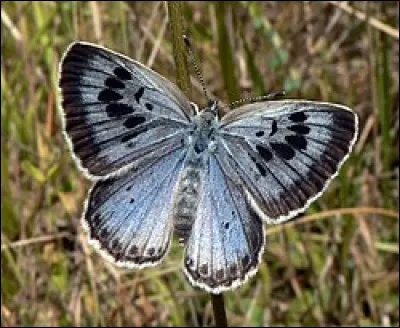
(195, 65)
(271, 96)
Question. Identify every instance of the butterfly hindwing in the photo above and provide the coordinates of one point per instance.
(227, 239)
(128, 217)
(117, 111)
(286, 152)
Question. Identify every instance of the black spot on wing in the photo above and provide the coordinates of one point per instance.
(203, 269)
(108, 95)
(219, 274)
(298, 117)
(261, 169)
(122, 73)
(134, 121)
(149, 106)
(117, 110)
(104, 233)
(299, 128)
(296, 141)
(113, 83)
(264, 152)
(133, 250)
(283, 150)
(245, 261)
(274, 128)
(259, 133)
(233, 269)
(115, 246)
(139, 94)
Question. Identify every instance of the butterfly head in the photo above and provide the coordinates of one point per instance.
(208, 117)
(211, 109)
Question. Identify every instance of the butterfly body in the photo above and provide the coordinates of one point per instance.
(187, 196)
(159, 166)
(201, 144)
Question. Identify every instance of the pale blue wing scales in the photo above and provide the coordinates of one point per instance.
(285, 152)
(116, 111)
(227, 239)
(129, 218)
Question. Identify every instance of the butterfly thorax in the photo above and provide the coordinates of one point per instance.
(205, 126)
(199, 145)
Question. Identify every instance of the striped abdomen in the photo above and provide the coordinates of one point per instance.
(187, 199)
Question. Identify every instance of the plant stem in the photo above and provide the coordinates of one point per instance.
(175, 11)
(225, 52)
(219, 310)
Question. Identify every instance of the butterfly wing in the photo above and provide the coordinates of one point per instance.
(285, 152)
(117, 111)
(227, 240)
(128, 217)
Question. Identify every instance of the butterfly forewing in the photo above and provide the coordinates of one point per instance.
(227, 237)
(116, 111)
(286, 152)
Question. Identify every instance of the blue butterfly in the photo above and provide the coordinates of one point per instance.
(160, 165)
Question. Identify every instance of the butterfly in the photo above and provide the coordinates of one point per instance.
(161, 166)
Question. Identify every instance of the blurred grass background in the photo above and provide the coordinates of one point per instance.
(336, 265)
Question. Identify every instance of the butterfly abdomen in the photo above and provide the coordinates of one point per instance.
(187, 198)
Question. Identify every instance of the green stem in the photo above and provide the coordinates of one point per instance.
(226, 58)
(175, 10)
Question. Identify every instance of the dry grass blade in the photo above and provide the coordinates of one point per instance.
(376, 23)
(5, 19)
(326, 214)
(36, 240)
